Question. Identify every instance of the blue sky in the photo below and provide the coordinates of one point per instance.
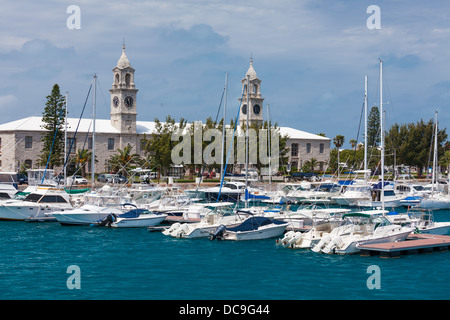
(311, 56)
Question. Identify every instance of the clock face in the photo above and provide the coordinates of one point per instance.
(116, 101)
(129, 102)
(256, 109)
(244, 109)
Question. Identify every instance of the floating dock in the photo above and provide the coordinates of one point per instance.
(414, 244)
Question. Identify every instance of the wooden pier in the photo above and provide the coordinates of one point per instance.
(414, 244)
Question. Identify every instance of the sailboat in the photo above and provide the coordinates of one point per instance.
(437, 200)
(366, 227)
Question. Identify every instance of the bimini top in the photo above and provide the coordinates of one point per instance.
(366, 214)
(135, 213)
(253, 223)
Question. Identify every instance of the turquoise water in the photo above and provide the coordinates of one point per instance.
(137, 264)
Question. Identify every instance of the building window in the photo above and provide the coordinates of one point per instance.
(110, 143)
(127, 79)
(308, 148)
(89, 143)
(321, 148)
(28, 142)
(69, 144)
(294, 150)
(28, 163)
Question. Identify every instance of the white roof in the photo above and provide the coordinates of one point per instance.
(299, 134)
(105, 126)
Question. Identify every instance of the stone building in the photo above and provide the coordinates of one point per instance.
(20, 140)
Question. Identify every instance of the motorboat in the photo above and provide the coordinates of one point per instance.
(422, 221)
(357, 228)
(94, 206)
(8, 185)
(218, 214)
(390, 199)
(135, 218)
(231, 191)
(435, 201)
(87, 214)
(253, 228)
(426, 224)
(359, 190)
(37, 202)
(324, 220)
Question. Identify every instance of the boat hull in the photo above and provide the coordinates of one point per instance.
(353, 247)
(139, 222)
(259, 234)
(83, 217)
(211, 196)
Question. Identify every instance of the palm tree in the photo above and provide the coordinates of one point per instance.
(311, 164)
(124, 160)
(82, 159)
(338, 142)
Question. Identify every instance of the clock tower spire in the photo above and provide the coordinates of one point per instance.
(252, 95)
(123, 96)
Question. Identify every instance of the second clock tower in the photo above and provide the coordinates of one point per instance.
(123, 96)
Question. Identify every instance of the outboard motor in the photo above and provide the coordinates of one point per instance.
(218, 234)
(110, 218)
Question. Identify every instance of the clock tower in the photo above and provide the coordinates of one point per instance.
(252, 97)
(123, 96)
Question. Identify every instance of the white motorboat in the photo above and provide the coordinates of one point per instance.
(136, 218)
(323, 222)
(365, 227)
(436, 201)
(87, 214)
(39, 202)
(253, 228)
(390, 199)
(218, 214)
(231, 191)
(358, 191)
(422, 221)
(426, 224)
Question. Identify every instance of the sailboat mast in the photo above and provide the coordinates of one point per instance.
(382, 134)
(223, 126)
(269, 145)
(65, 142)
(93, 135)
(366, 175)
(247, 138)
(435, 163)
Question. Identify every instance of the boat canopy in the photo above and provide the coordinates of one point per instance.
(254, 223)
(254, 196)
(133, 213)
(365, 214)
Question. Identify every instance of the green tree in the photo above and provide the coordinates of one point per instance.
(158, 147)
(53, 118)
(373, 127)
(414, 144)
(124, 160)
(338, 142)
(82, 159)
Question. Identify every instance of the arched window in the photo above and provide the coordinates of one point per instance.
(127, 79)
(117, 78)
